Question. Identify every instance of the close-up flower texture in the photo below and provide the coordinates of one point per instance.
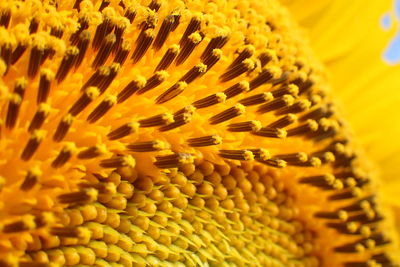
(197, 133)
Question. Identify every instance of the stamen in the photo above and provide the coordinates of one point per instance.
(284, 101)
(309, 126)
(228, 114)
(104, 51)
(65, 154)
(88, 96)
(102, 108)
(260, 154)
(157, 120)
(270, 132)
(209, 140)
(194, 73)
(33, 25)
(67, 63)
(82, 45)
(63, 127)
(5, 17)
(352, 193)
(148, 146)
(103, 29)
(215, 44)
(46, 77)
(124, 130)
(77, 4)
(247, 126)
(31, 178)
(237, 154)
(210, 100)
(57, 32)
(154, 5)
(300, 106)
(154, 81)
(18, 52)
(212, 58)
(244, 66)
(246, 52)
(26, 223)
(173, 161)
(266, 57)
(172, 92)
(273, 162)
(104, 4)
(143, 43)
(179, 120)
(319, 180)
(311, 162)
(193, 26)
(130, 14)
(118, 162)
(122, 52)
(33, 144)
(187, 47)
(130, 89)
(336, 215)
(38, 119)
(83, 22)
(186, 109)
(290, 89)
(106, 80)
(168, 58)
(68, 231)
(256, 99)
(319, 113)
(284, 121)
(293, 158)
(37, 52)
(236, 89)
(13, 110)
(85, 196)
(266, 75)
(6, 53)
(96, 78)
(92, 152)
(164, 31)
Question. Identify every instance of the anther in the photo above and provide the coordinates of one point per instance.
(82, 45)
(309, 126)
(104, 83)
(247, 126)
(210, 140)
(168, 58)
(5, 17)
(270, 132)
(157, 120)
(193, 26)
(210, 100)
(92, 152)
(104, 51)
(33, 144)
(228, 114)
(130, 89)
(311, 162)
(236, 89)
(268, 74)
(316, 114)
(187, 48)
(46, 76)
(35, 58)
(83, 22)
(257, 99)
(57, 32)
(102, 108)
(293, 158)
(88, 96)
(26, 223)
(348, 194)
(284, 121)
(164, 32)
(171, 92)
(65, 154)
(67, 231)
(118, 162)
(122, 52)
(103, 29)
(143, 43)
(147, 146)
(77, 4)
(173, 160)
(290, 89)
(154, 81)
(179, 120)
(273, 162)
(194, 73)
(96, 78)
(260, 154)
(123, 131)
(13, 110)
(31, 178)
(104, 4)
(85, 196)
(215, 43)
(212, 58)
(326, 180)
(130, 14)
(244, 66)
(245, 53)
(38, 119)
(63, 127)
(299, 106)
(67, 62)
(277, 103)
(6, 53)
(266, 57)
(237, 154)
(335, 215)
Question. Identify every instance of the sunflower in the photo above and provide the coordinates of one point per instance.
(185, 133)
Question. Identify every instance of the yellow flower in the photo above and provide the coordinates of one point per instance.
(174, 133)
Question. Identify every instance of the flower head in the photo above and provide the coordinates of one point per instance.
(175, 133)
